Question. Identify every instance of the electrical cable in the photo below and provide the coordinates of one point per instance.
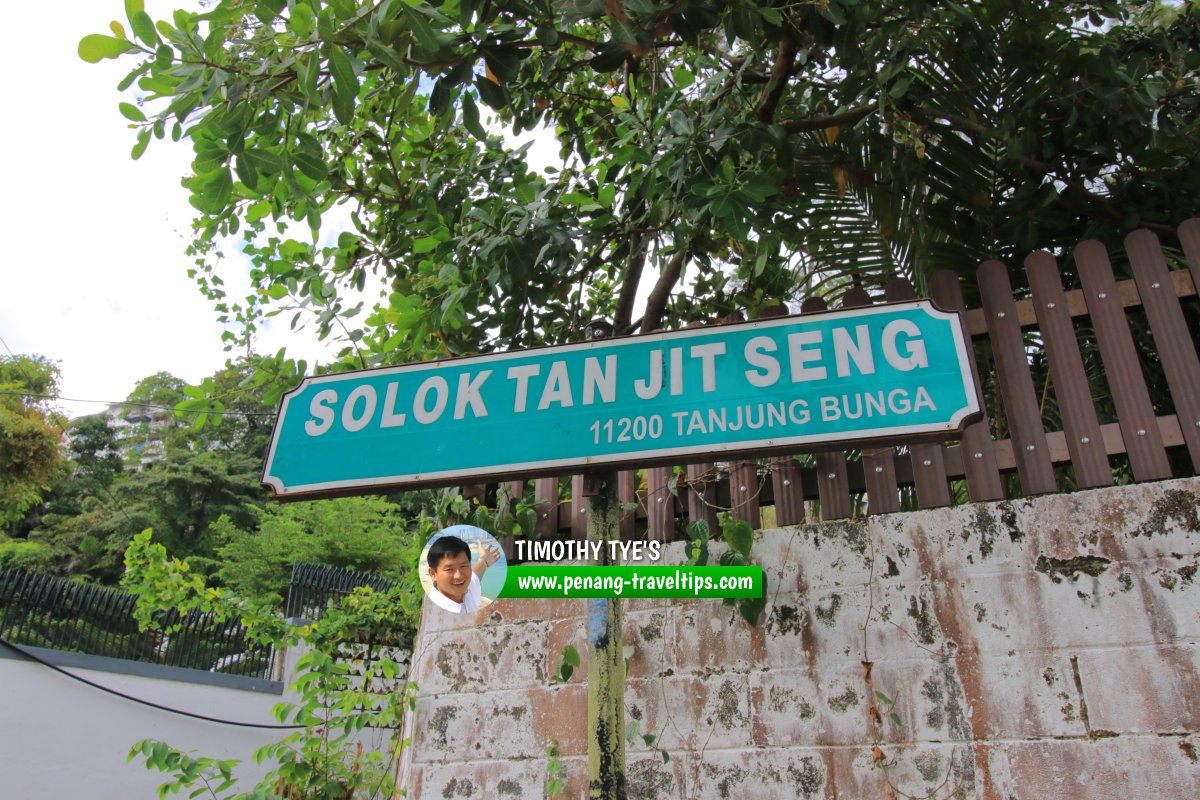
(142, 405)
(15, 362)
(149, 703)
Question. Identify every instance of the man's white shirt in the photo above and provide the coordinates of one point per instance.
(470, 603)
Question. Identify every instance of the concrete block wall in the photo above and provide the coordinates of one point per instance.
(1031, 649)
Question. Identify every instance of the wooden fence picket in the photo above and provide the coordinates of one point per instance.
(977, 451)
(508, 494)
(660, 505)
(545, 498)
(627, 497)
(833, 483)
(702, 494)
(1084, 443)
(928, 459)
(788, 488)
(1067, 375)
(1030, 449)
(744, 490)
(577, 509)
(1139, 428)
(1176, 347)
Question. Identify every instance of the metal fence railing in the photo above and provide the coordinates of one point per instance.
(312, 587)
(45, 611)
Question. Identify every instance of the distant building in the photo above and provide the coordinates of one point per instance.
(139, 432)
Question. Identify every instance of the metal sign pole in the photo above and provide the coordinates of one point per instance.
(606, 662)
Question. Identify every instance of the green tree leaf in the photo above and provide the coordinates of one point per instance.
(752, 608)
(300, 20)
(309, 163)
(264, 161)
(492, 94)
(132, 112)
(439, 98)
(96, 46)
(143, 27)
(139, 147)
(429, 38)
(470, 113)
(345, 84)
(739, 535)
(246, 172)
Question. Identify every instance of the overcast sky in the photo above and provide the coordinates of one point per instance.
(94, 275)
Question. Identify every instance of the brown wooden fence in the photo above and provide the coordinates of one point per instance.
(1083, 387)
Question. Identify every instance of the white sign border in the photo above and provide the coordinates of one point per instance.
(450, 477)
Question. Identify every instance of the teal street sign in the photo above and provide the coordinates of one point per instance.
(894, 372)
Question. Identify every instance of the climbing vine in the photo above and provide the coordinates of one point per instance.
(351, 696)
(740, 538)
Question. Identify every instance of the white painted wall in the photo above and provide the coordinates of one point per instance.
(63, 740)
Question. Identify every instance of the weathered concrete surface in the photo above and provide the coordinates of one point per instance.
(1032, 649)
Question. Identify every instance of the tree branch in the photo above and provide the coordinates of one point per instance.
(773, 91)
(656, 303)
(528, 44)
(579, 41)
(638, 248)
(958, 123)
(829, 121)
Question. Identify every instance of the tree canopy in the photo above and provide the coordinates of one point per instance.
(714, 156)
(30, 433)
(139, 466)
(362, 533)
(149, 473)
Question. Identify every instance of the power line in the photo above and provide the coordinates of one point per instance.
(142, 405)
(16, 362)
(21, 368)
(149, 703)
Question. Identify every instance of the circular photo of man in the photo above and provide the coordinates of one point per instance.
(462, 569)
